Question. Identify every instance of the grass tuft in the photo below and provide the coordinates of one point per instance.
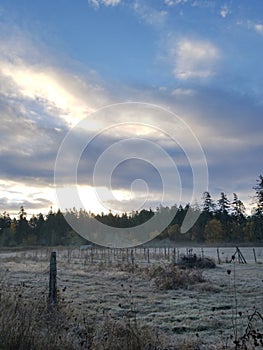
(173, 277)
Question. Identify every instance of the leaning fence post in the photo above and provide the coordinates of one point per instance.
(53, 280)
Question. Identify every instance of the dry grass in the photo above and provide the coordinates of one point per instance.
(27, 322)
(172, 277)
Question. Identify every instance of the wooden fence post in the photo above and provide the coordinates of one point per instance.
(132, 260)
(174, 256)
(255, 257)
(53, 279)
(69, 255)
(218, 256)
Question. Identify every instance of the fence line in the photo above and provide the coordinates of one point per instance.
(167, 254)
(136, 255)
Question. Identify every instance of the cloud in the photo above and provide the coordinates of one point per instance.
(224, 11)
(119, 156)
(231, 140)
(12, 206)
(111, 2)
(182, 92)
(32, 133)
(98, 3)
(149, 14)
(61, 87)
(28, 150)
(259, 28)
(31, 128)
(194, 59)
(175, 2)
(39, 102)
(51, 87)
(33, 198)
(169, 2)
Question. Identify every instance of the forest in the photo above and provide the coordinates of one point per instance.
(219, 221)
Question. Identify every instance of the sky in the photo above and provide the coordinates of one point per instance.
(125, 105)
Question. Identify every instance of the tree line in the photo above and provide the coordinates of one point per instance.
(221, 220)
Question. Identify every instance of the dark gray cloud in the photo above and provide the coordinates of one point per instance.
(29, 141)
(229, 127)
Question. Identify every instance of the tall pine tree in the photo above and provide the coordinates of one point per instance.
(259, 195)
(258, 216)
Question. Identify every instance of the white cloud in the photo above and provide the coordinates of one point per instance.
(194, 59)
(111, 2)
(225, 11)
(181, 1)
(97, 3)
(149, 14)
(259, 28)
(174, 2)
(94, 3)
(182, 92)
(169, 2)
(251, 25)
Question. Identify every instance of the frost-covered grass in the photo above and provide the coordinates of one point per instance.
(114, 303)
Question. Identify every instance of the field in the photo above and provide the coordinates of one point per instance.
(112, 292)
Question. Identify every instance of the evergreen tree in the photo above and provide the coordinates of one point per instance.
(222, 214)
(259, 195)
(238, 215)
(22, 229)
(258, 216)
(223, 204)
(5, 223)
(208, 203)
(39, 228)
(238, 209)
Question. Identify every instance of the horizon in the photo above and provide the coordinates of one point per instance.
(195, 205)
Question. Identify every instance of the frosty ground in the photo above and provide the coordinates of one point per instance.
(109, 282)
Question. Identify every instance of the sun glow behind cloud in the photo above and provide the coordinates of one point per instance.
(103, 199)
(40, 84)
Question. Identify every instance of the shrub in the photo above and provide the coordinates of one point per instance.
(192, 261)
(173, 277)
